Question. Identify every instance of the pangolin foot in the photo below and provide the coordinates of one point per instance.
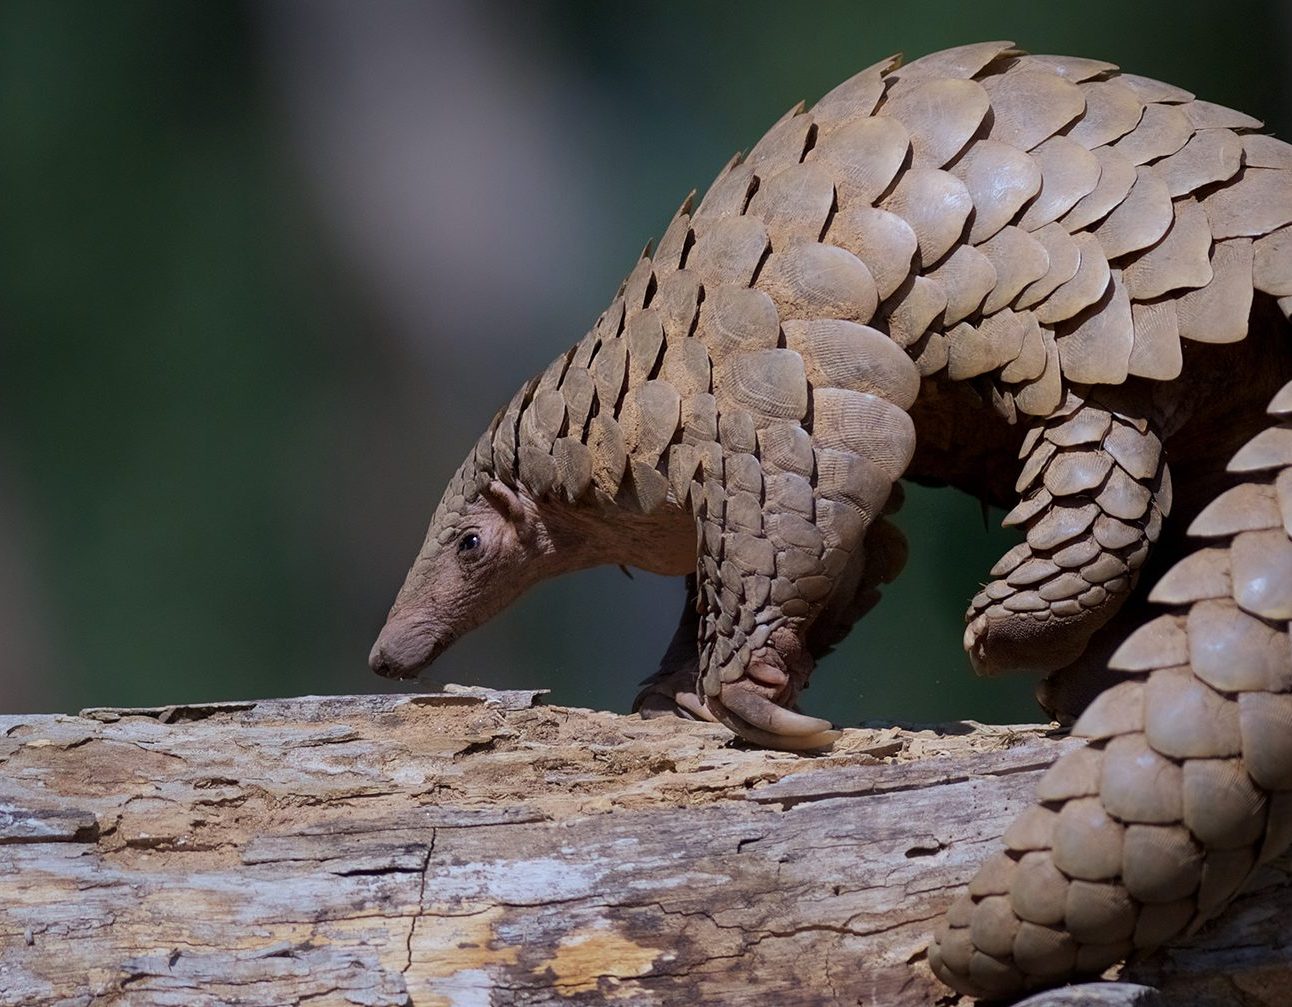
(1001, 642)
(754, 710)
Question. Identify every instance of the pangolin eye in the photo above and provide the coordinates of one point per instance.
(469, 542)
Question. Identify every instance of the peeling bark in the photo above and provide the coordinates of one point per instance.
(476, 848)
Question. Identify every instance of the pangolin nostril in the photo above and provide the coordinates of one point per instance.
(403, 648)
(382, 662)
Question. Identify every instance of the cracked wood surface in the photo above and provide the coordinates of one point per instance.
(476, 848)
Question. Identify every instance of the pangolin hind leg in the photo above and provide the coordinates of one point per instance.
(1186, 782)
(1095, 489)
(1205, 419)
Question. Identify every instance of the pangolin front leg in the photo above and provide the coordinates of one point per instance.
(674, 689)
(1095, 490)
(782, 534)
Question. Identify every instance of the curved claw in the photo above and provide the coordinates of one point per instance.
(760, 721)
(663, 696)
(760, 712)
(691, 703)
(973, 646)
(779, 742)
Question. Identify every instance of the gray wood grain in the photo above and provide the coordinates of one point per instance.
(477, 848)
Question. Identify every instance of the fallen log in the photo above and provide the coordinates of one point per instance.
(473, 847)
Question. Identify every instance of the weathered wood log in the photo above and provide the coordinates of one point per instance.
(474, 847)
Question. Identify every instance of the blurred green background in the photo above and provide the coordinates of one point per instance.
(267, 269)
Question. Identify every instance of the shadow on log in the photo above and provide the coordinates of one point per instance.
(477, 848)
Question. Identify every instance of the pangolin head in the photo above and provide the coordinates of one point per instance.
(481, 553)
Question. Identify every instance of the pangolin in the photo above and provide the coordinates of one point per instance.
(1032, 277)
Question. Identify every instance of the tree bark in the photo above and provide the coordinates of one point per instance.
(478, 848)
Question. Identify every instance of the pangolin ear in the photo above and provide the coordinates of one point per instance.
(507, 502)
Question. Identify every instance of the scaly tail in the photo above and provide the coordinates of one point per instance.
(1186, 783)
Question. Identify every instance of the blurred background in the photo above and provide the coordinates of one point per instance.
(267, 269)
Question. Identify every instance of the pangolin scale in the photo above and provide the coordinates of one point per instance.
(1015, 274)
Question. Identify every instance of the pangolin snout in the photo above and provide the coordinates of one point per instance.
(404, 648)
